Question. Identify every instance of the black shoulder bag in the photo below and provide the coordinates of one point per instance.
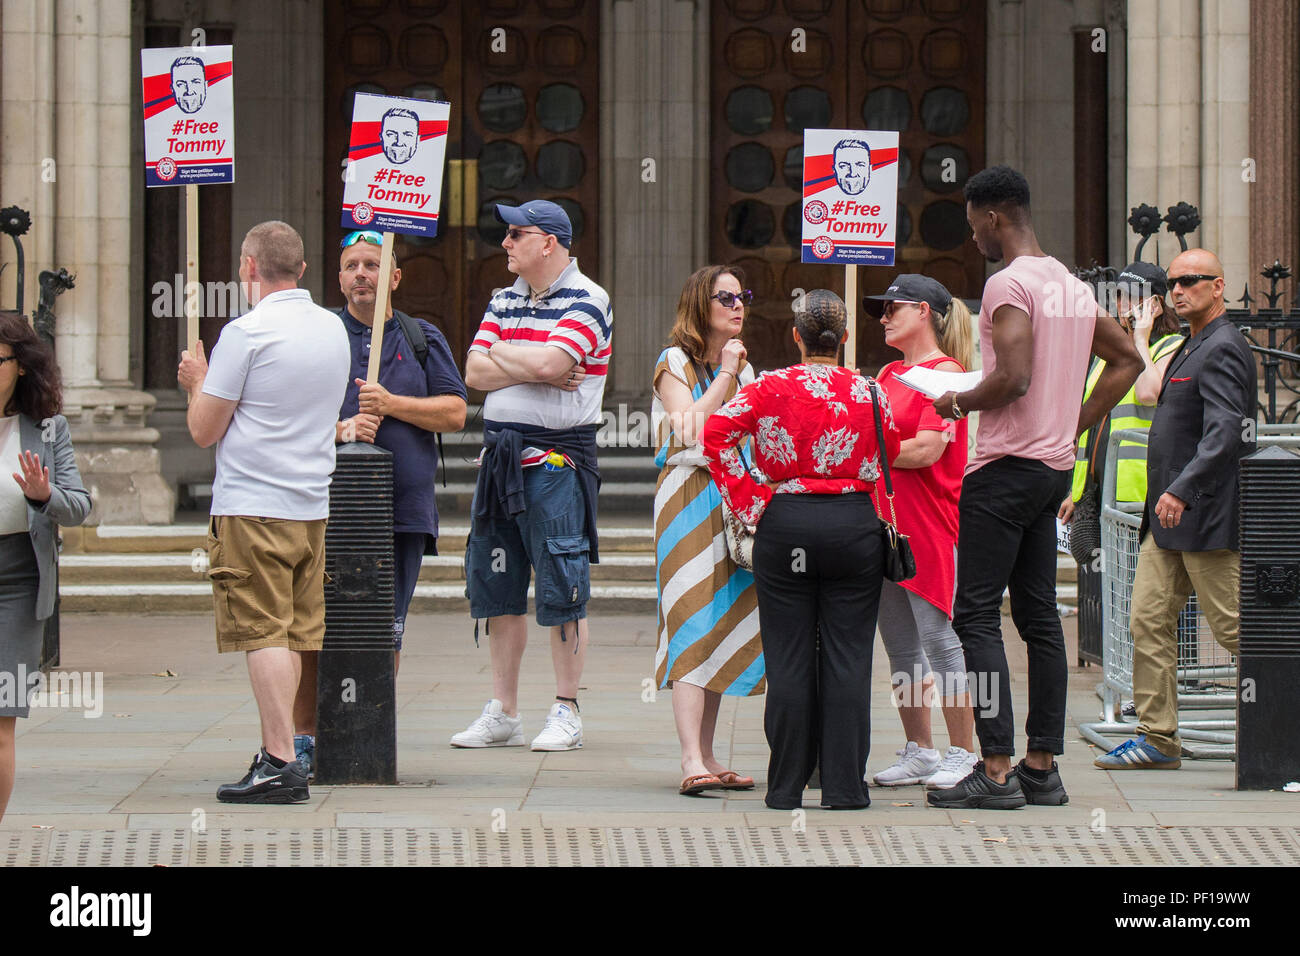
(898, 560)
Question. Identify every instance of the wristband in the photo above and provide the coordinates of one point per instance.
(726, 371)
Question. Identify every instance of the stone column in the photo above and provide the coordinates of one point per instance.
(68, 124)
(1274, 139)
(654, 106)
(27, 121)
(1225, 137)
(1164, 142)
(1030, 110)
(1188, 65)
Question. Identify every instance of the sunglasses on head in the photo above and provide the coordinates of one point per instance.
(1189, 280)
(362, 235)
(728, 299)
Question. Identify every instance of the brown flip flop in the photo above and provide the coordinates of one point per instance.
(737, 782)
(699, 783)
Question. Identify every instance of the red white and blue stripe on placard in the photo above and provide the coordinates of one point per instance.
(168, 170)
(365, 141)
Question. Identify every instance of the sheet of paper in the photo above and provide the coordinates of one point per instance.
(929, 382)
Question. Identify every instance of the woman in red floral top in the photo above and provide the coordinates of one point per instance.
(817, 551)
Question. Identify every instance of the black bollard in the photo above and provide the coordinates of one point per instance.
(1268, 728)
(356, 715)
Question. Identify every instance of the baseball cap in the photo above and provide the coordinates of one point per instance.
(542, 213)
(1138, 277)
(909, 287)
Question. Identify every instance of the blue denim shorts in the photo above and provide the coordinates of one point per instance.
(548, 537)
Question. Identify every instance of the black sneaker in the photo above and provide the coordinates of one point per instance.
(1042, 788)
(265, 784)
(979, 792)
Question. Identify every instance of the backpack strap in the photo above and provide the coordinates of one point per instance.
(414, 335)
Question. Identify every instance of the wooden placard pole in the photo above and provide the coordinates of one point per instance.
(381, 308)
(851, 301)
(193, 292)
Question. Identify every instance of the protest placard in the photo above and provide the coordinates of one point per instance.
(393, 181)
(189, 138)
(189, 115)
(850, 196)
(395, 161)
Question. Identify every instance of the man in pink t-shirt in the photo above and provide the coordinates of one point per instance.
(1038, 327)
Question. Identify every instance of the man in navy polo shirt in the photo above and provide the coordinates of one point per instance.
(402, 412)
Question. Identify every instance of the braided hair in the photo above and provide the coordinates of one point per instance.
(821, 322)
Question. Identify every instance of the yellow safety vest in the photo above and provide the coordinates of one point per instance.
(1131, 469)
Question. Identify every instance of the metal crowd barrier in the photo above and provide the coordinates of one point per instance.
(1207, 674)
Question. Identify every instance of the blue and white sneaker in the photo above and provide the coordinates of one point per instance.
(1136, 754)
(304, 750)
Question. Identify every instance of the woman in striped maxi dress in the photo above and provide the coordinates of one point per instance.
(708, 612)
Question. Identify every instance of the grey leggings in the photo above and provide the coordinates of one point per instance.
(919, 640)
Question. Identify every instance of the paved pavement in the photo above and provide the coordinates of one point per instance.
(136, 784)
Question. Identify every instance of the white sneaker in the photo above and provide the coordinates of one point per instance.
(914, 765)
(563, 730)
(956, 766)
(492, 728)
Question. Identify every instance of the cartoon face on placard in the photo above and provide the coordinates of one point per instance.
(189, 115)
(850, 196)
(393, 180)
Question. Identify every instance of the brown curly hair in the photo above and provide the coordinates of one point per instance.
(691, 329)
(38, 393)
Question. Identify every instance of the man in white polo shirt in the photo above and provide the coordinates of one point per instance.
(541, 354)
(269, 402)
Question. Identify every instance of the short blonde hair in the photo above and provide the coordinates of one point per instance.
(278, 250)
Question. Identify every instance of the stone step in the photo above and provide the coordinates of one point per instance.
(166, 597)
(184, 538)
(143, 597)
(127, 568)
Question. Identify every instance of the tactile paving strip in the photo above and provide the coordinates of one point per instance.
(119, 848)
(789, 845)
(225, 846)
(400, 846)
(24, 847)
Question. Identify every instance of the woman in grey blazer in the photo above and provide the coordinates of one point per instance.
(45, 491)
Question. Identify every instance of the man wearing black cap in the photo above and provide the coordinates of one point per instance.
(541, 354)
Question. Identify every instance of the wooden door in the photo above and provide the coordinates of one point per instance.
(521, 78)
(916, 66)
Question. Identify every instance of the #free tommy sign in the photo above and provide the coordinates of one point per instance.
(189, 115)
(850, 196)
(393, 181)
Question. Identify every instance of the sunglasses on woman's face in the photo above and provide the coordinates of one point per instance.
(728, 299)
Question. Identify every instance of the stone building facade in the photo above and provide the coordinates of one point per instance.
(669, 127)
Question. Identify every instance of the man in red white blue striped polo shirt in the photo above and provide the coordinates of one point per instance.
(541, 353)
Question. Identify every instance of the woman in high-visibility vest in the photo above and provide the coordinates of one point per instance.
(1141, 290)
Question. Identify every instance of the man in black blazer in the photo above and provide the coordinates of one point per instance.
(1204, 425)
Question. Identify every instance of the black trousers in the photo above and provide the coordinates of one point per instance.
(817, 569)
(1007, 539)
